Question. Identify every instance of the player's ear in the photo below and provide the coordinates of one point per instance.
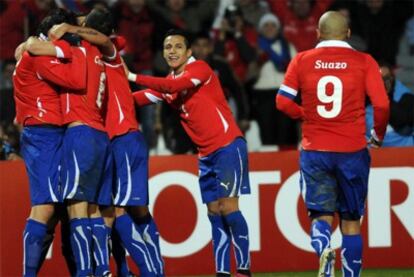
(318, 34)
(189, 52)
(348, 33)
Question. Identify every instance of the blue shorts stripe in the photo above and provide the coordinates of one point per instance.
(41, 148)
(86, 164)
(130, 184)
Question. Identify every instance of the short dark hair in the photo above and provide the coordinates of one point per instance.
(56, 16)
(178, 32)
(100, 20)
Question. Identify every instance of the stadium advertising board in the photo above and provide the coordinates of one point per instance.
(274, 211)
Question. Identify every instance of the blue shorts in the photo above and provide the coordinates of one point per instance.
(86, 165)
(335, 182)
(225, 173)
(41, 148)
(130, 154)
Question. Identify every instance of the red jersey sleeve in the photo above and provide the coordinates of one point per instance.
(147, 96)
(378, 96)
(69, 75)
(63, 49)
(194, 75)
(288, 92)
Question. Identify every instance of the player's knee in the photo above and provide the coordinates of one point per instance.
(213, 208)
(42, 213)
(228, 205)
(78, 209)
(119, 211)
(138, 211)
(350, 227)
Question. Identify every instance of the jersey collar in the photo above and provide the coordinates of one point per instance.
(191, 60)
(333, 43)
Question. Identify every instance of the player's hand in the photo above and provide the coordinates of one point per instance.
(57, 31)
(19, 51)
(374, 143)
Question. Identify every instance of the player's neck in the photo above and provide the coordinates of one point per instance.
(179, 70)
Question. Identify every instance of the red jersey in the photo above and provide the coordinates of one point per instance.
(35, 93)
(120, 115)
(333, 80)
(197, 94)
(86, 106)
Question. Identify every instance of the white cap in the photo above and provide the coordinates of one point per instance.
(269, 17)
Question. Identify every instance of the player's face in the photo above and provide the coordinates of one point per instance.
(176, 52)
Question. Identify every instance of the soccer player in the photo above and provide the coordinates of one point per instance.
(133, 222)
(38, 109)
(333, 80)
(194, 90)
(86, 166)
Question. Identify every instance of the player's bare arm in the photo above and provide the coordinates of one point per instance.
(38, 47)
(91, 35)
(19, 51)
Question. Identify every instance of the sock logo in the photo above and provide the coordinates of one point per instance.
(246, 237)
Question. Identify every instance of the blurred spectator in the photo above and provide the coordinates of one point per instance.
(275, 54)
(223, 4)
(191, 16)
(7, 109)
(356, 41)
(84, 6)
(400, 129)
(203, 48)
(405, 57)
(19, 19)
(381, 24)
(300, 20)
(253, 10)
(236, 40)
(9, 142)
(175, 138)
(135, 22)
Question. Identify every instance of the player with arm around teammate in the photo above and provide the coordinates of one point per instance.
(334, 80)
(194, 90)
(133, 223)
(86, 165)
(36, 82)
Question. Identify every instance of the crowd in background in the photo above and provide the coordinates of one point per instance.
(248, 43)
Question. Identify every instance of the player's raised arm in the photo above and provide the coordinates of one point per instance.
(288, 92)
(379, 99)
(147, 96)
(91, 35)
(196, 74)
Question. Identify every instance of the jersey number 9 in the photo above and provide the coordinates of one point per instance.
(335, 99)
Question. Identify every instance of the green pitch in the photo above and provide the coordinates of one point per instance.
(365, 273)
